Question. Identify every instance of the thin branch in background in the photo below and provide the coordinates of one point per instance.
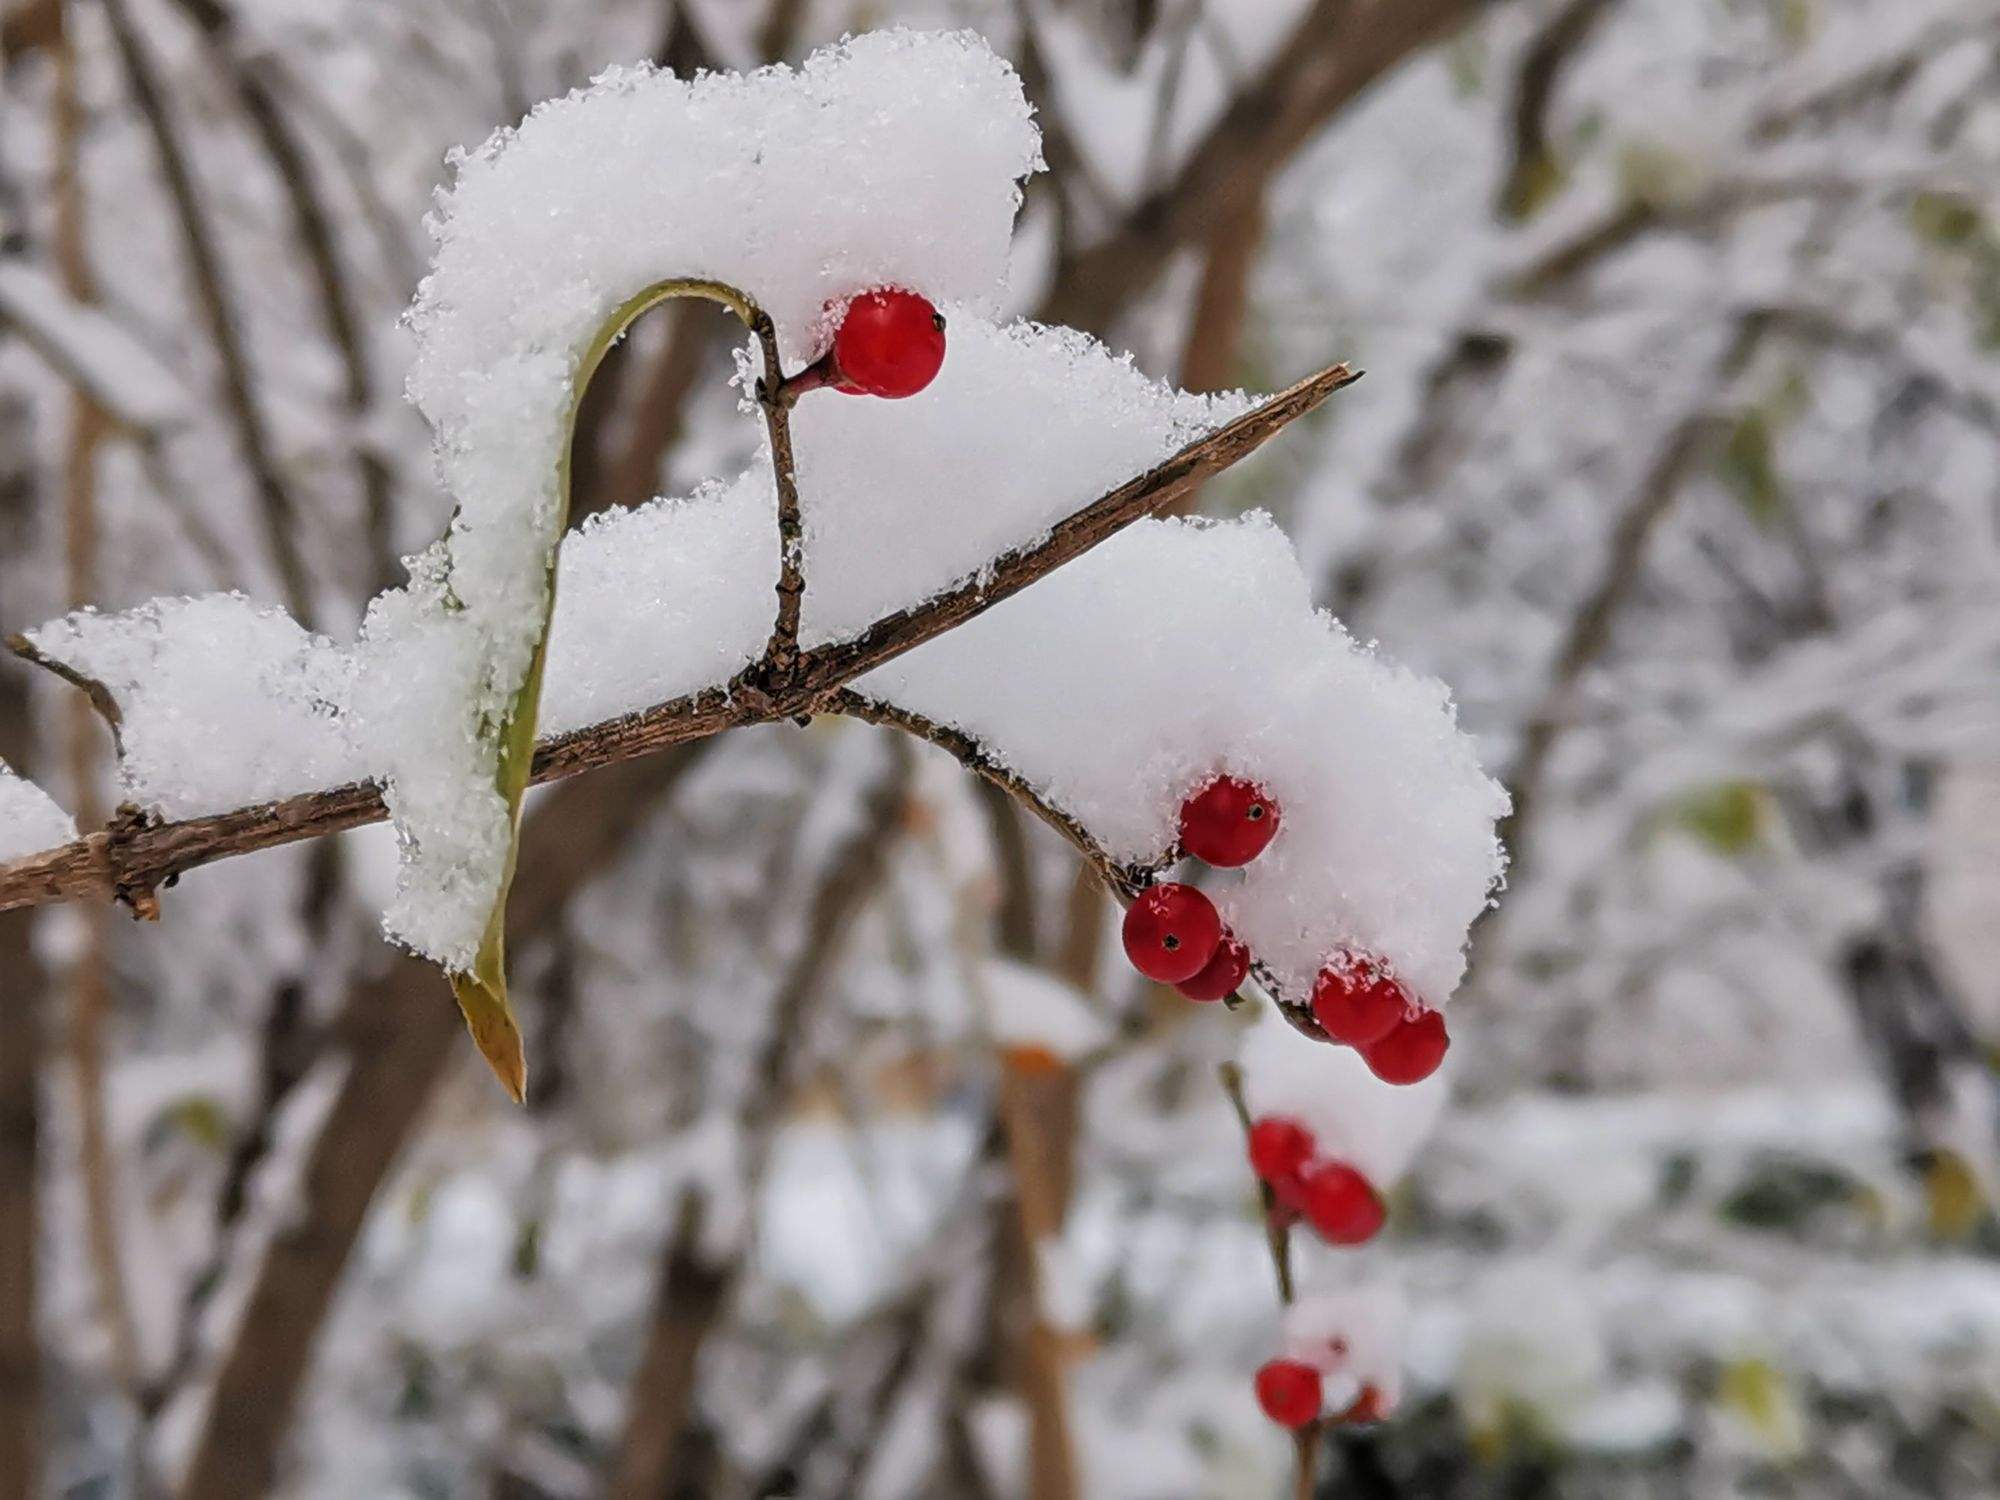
(23, 1036)
(1588, 631)
(313, 229)
(88, 975)
(1015, 916)
(692, 1293)
(1337, 52)
(1180, 24)
(1534, 170)
(276, 508)
(1039, 1103)
(396, 1033)
(132, 859)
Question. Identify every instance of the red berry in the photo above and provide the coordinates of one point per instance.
(1280, 1147)
(1171, 932)
(1411, 1051)
(1221, 975)
(1289, 1392)
(1339, 1203)
(1367, 1408)
(1356, 1002)
(1228, 822)
(890, 343)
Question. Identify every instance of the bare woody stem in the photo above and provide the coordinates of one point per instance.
(776, 396)
(1124, 881)
(134, 857)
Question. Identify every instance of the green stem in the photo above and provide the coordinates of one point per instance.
(481, 992)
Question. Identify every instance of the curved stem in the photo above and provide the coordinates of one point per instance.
(481, 991)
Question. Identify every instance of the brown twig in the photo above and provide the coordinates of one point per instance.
(780, 663)
(132, 860)
(1125, 881)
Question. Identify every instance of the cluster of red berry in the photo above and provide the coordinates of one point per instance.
(1173, 933)
(1360, 1004)
(1293, 1392)
(1340, 1203)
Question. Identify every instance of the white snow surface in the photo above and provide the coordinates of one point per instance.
(1354, 1116)
(30, 821)
(893, 158)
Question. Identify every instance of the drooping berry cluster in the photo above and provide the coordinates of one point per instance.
(1332, 1196)
(1173, 933)
(1360, 1004)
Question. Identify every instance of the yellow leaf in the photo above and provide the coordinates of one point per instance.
(1756, 1391)
(1953, 1195)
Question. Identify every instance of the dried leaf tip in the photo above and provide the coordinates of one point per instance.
(494, 1030)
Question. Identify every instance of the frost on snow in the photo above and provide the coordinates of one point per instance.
(30, 821)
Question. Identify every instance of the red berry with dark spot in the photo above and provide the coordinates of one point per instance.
(1222, 975)
(1228, 823)
(1339, 1203)
(1367, 1409)
(1356, 1002)
(1280, 1148)
(1171, 932)
(890, 343)
(1411, 1051)
(1289, 1392)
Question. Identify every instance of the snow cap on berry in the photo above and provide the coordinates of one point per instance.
(1354, 1116)
(1228, 821)
(1077, 685)
(1354, 1337)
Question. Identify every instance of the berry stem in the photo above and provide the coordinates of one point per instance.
(776, 394)
(1278, 1234)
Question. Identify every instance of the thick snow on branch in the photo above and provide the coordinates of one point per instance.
(1178, 650)
(1114, 686)
(30, 821)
